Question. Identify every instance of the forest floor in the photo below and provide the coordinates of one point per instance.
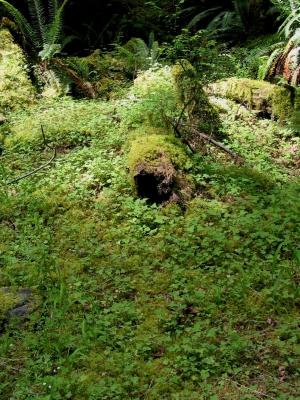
(132, 300)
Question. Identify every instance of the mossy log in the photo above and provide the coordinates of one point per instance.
(156, 164)
(266, 99)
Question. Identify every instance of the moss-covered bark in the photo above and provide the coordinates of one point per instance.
(156, 164)
(269, 99)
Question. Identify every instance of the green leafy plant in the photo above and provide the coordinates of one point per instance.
(211, 60)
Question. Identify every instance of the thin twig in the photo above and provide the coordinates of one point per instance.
(39, 168)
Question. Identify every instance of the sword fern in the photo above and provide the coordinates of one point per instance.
(43, 30)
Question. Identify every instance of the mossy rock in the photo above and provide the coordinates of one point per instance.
(16, 303)
(8, 301)
(156, 164)
(16, 89)
(264, 97)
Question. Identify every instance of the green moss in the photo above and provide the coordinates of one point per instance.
(257, 95)
(16, 90)
(148, 149)
(66, 123)
(8, 300)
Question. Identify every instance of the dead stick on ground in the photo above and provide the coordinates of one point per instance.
(39, 168)
(208, 139)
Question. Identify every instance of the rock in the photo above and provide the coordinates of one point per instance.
(15, 303)
(266, 99)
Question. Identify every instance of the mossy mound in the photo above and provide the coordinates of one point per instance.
(149, 147)
(16, 89)
(156, 164)
(263, 97)
(103, 71)
(66, 123)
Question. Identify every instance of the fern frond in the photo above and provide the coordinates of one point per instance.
(270, 69)
(202, 16)
(52, 8)
(80, 66)
(55, 27)
(23, 24)
(289, 22)
(242, 10)
(37, 14)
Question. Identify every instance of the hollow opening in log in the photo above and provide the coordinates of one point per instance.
(263, 114)
(154, 187)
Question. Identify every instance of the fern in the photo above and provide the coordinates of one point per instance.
(21, 22)
(270, 68)
(44, 30)
(137, 55)
(55, 28)
(225, 22)
(38, 19)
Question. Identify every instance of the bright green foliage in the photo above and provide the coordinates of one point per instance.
(66, 123)
(210, 59)
(16, 90)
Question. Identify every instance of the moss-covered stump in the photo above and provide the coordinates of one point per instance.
(156, 164)
(16, 89)
(267, 99)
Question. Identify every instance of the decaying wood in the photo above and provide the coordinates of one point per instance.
(85, 86)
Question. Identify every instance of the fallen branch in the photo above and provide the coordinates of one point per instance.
(183, 139)
(206, 138)
(85, 86)
(39, 168)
